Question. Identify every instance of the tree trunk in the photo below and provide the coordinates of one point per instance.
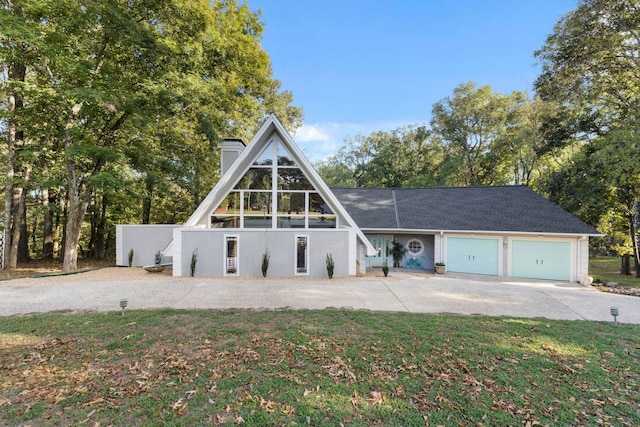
(93, 221)
(48, 200)
(75, 217)
(16, 72)
(101, 229)
(23, 243)
(634, 239)
(146, 203)
(625, 265)
(76, 206)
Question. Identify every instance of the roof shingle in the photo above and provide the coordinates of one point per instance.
(500, 209)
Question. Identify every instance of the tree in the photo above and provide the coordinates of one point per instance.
(113, 78)
(591, 69)
(600, 185)
(398, 158)
(591, 64)
(473, 125)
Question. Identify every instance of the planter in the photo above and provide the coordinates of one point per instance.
(440, 269)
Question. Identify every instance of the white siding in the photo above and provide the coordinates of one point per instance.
(177, 252)
(583, 258)
(145, 241)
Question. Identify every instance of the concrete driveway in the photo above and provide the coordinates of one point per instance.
(402, 291)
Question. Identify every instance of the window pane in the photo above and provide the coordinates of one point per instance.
(284, 158)
(291, 203)
(415, 246)
(266, 158)
(257, 221)
(301, 254)
(225, 221)
(292, 179)
(290, 221)
(230, 205)
(255, 179)
(257, 203)
(317, 205)
(324, 221)
(232, 255)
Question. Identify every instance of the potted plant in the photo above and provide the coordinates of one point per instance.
(440, 267)
(397, 252)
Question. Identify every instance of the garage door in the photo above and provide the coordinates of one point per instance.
(471, 255)
(541, 260)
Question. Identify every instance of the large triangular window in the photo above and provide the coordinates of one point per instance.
(274, 195)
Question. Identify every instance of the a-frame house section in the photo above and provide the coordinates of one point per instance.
(270, 201)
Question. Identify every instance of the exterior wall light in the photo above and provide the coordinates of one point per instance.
(615, 313)
(123, 304)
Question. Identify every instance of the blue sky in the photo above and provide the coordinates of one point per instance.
(363, 66)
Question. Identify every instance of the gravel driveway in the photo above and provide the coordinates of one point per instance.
(101, 290)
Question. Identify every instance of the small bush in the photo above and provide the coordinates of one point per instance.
(330, 266)
(266, 256)
(130, 257)
(385, 268)
(194, 261)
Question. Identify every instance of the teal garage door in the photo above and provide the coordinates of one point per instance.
(471, 255)
(541, 260)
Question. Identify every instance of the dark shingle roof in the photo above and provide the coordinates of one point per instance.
(506, 208)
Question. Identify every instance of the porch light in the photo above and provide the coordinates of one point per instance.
(615, 313)
(123, 304)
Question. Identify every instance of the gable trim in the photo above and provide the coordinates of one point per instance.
(268, 131)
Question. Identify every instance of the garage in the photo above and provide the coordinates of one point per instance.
(472, 255)
(541, 259)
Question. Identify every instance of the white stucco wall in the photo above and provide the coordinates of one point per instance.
(209, 243)
(145, 240)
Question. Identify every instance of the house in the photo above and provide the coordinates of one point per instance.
(270, 200)
(503, 230)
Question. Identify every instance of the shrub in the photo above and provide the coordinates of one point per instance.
(385, 268)
(330, 266)
(194, 261)
(266, 256)
(397, 252)
(130, 257)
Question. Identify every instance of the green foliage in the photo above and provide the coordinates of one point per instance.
(385, 268)
(397, 252)
(130, 257)
(590, 63)
(342, 366)
(266, 257)
(193, 263)
(330, 266)
(136, 92)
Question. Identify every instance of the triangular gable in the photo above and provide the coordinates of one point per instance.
(271, 129)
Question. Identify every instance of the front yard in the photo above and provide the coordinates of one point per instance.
(311, 367)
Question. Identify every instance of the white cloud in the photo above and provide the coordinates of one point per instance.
(313, 132)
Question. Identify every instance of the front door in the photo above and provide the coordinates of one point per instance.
(382, 246)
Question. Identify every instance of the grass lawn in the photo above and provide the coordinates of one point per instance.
(326, 367)
(607, 269)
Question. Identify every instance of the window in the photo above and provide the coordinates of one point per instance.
(230, 255)
(274, 192)
(302, 250)
(415, 247)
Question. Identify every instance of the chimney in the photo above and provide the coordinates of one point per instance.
(230, 149)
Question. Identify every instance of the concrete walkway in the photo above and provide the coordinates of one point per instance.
(418, 293)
